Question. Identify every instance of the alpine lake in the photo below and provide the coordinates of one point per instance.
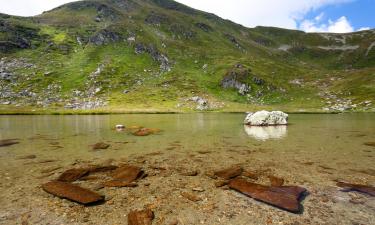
(178, 156)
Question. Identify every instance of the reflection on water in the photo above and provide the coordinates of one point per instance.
(265, 133)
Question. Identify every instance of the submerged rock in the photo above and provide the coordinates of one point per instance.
(276, 181)
(286, 197)
(116, 183)
(265, 118)
(100, 145)
(372, 144)
(370, 190)
(191, 197)
(127, 173)
(73, 175)
(141, 217)
(72, 192)
(8, 142)
(229, 173)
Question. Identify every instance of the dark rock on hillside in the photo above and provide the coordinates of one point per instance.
(204, 27)
(156, 19)
(155, 54)
(17, 36)
(233, 40)
(237, 78)
(182, 31)
(258, 81)
(104, 37)
(172, 5)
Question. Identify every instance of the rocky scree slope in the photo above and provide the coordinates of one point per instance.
(162, 55)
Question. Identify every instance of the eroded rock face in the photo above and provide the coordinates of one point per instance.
(72, 192)
(105, 37)
(237, 78)
(265, 118)
(285, 197)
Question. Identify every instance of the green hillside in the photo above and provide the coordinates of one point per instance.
(160, 56)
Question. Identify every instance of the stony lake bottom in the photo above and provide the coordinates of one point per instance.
(314, 152)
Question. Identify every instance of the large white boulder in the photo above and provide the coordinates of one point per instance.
(265, 118)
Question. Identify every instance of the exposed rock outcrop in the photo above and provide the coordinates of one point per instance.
(237, 78)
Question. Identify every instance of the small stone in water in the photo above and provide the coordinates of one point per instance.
(142, 217)
(276, 181)
(72, 192)
(370, 190)
(229, 173)
(372, 144)
(100, 145)
(191, 197)
(73, 175)
(127, 173)
(8, 142)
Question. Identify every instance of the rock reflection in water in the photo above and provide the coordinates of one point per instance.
(266, 133)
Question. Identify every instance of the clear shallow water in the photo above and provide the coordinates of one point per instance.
(313, 151)
(334, 141)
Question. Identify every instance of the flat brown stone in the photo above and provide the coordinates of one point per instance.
(98, 169)
(72, 192)
(116, 183)
(100, 145)
(372, 143)
(127, 173)
(370, 190)
(8, 142)
(191, 197)
(229, 173)
(286, 197)
(141, 217)
(73, 175)
(276, 181)
(250, 174)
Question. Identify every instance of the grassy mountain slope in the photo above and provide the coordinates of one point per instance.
(155, 55)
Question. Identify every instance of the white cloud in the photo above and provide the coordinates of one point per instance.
(251, 13)
(341, 25)
(29, 7)
(364, 28)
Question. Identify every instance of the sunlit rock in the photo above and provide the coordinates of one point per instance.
(265, 118)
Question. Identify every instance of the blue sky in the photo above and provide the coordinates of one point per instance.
(359, 14)
(337, 16)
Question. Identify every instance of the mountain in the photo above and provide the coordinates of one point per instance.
(159, 55)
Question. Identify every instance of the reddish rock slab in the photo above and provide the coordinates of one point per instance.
(141, 217)
(252, 175)
(100, 145)
(116, 183)
(8, 142)
(99, 169)
(229, 173)
(73, 175)
(72, 192)
(276, 181)
(127, 173)
(372, 144)
(357, 187)
(287, 197)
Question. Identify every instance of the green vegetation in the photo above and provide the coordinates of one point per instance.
(154, 55)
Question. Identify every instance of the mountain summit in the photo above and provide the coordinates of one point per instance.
(159, 55)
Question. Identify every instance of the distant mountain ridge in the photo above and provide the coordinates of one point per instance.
(160, 55)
